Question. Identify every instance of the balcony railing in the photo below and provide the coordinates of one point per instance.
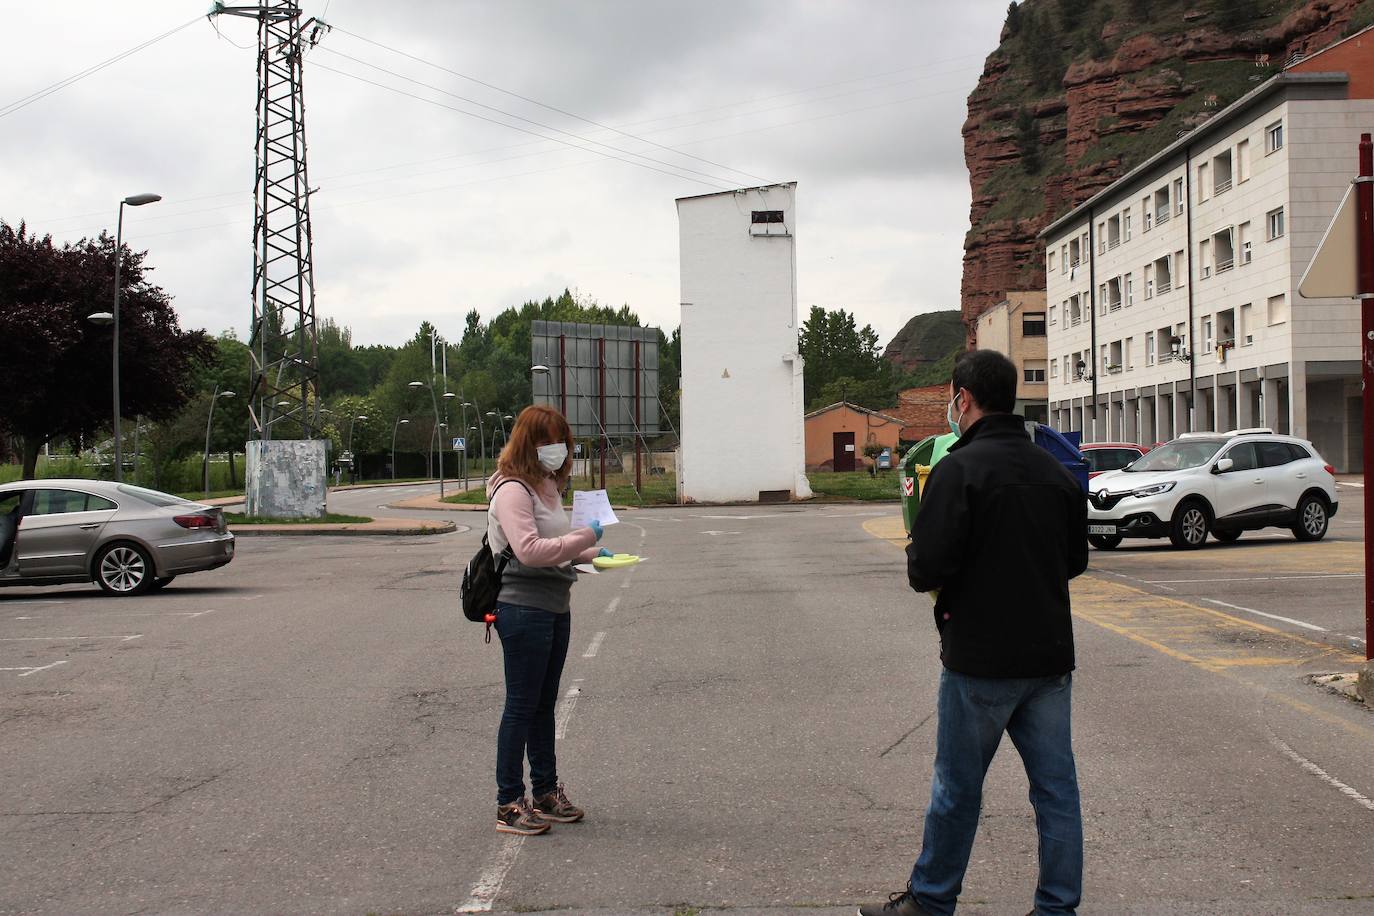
(1162, 287)
(1162, 215)
(1225, 265)
(1112, 243)
(1222, 186)
(1113, 305)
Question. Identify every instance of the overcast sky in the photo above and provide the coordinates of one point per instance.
(424, 212)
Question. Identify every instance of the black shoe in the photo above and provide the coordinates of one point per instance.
(898, 904)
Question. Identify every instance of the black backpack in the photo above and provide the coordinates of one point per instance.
(482, 580)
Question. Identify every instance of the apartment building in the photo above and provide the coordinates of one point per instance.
(1016, 328)
(1172, 293)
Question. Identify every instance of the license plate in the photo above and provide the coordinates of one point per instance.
(1101, 529)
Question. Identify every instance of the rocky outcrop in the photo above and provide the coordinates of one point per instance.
(924, 340)
(1122, 94)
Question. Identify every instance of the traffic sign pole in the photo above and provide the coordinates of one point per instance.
(1364, 242)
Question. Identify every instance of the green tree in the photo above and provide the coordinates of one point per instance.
(1013, 18)
(1028, 142)
(1044, 59)
(843, 361)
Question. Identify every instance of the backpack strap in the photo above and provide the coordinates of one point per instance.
(505, 555)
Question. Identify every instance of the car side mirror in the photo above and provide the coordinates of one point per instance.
(1222, 466)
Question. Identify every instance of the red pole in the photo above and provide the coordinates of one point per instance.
(601, 388)
(1364, 244)
(638, 437)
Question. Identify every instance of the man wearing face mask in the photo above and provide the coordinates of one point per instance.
(1002, 528)
(526, 521)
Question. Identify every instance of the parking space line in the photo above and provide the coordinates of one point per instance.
(187, 614)
(595, 645)
(56, 638)
(615, 602)
(1348, 791)
(1249, 610)
(34, 669)
(1251, 579)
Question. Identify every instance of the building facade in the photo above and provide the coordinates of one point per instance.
(1172, 294)
(742, 399)
(836, 436)
(1016, 328)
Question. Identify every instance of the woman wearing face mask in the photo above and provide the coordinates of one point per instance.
(532, 613)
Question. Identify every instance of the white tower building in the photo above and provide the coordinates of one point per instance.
(742, 400)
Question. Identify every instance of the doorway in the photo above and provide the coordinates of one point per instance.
(844, 451)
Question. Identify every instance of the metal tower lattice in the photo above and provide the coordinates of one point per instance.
(284, 344)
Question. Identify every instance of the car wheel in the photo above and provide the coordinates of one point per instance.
(1105, 541)
(124, 570)
(1313, 519)
(1188, 530)
(1226, 537)
(161, 582)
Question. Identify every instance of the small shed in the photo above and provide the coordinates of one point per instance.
(836, 436)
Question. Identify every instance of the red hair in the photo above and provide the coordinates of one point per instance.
(536, 426)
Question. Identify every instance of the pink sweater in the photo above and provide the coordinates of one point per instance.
(540, 536)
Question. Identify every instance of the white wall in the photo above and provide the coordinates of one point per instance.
(742, 399)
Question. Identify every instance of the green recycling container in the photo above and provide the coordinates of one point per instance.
(915, 468)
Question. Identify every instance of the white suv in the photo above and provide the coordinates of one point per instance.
(1223, 483)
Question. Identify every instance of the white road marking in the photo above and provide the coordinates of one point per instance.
(1321, 774)
(741, 517)
(1253, 579)
(489, 882)
(719, 533)
(564, 712)
(147, 614)
(30, 669)
(55, 638)
(1347, 483)
(1249, 610)
(615, 602)
(595, 645)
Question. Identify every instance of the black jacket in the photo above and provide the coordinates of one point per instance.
(1001, 529)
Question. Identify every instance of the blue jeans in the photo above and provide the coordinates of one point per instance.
(535, 645)
(973, 713)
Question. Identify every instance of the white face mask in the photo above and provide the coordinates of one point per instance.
(551, 457)
(949, 415)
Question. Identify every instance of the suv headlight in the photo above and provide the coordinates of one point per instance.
(1153, 489)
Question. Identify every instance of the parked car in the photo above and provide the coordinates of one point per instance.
(1109, 456)
(1217, 483)
(126, 539)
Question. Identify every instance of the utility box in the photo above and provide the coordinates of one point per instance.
(285, 478)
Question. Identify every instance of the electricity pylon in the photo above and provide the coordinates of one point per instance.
(284, 344)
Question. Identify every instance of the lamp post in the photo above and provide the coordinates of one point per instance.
(481, 433)
(208, 420)
(434, 400)
(398, 424)
(112, 318)
(351, 456)
(501, 424)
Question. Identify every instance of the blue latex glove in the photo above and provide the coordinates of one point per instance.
(603, 552)
(596, 529)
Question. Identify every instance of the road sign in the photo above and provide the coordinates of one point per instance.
(459, 444)
(1334, 270)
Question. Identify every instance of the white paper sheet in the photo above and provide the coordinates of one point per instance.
(592, 504)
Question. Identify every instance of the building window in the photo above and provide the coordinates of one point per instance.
(1179, 270)
(1054, 310)
(1149, 281)
(1147, 215)
(1224, 249)
(1221, 173)
(1162, 205)
(1204, 257)
(1204, 189)
(1034, 371)
(1243, 239)
(1278, 309)
(1101, 238)
(1130, 290)
(1149, 349)
(1064, 258)
(1033, 324)
(1049, 263)
(1209, 340)
(1242, 161)
(1274, 221)
(1246, 331)
(766, 216)
(1126, 226)
(1273, 138)
(1178, 196)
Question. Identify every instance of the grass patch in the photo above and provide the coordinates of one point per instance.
(855, 485)
(235, 518)
(658, 490)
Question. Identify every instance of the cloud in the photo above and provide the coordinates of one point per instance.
(423, 212)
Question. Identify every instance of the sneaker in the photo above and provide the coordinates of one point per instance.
(898, 904)
(556, 807)
(518, 817)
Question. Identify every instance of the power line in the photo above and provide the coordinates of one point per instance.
(61, 84)
(553, 108)
(715, 178)
(713, 182)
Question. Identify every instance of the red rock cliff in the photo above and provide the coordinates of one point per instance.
(1120, 80)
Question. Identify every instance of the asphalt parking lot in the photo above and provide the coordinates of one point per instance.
(747, 716)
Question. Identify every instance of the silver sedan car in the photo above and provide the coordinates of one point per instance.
(126, 539)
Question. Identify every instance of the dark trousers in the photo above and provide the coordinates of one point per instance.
(535, 645)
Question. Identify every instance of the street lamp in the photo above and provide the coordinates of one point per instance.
(399, 423)
(208, 420)
(351, 456)
(501, 423)
(112, 318)
(437, 426)
(481, 433)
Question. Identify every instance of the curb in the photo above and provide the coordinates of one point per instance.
(377, 528)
